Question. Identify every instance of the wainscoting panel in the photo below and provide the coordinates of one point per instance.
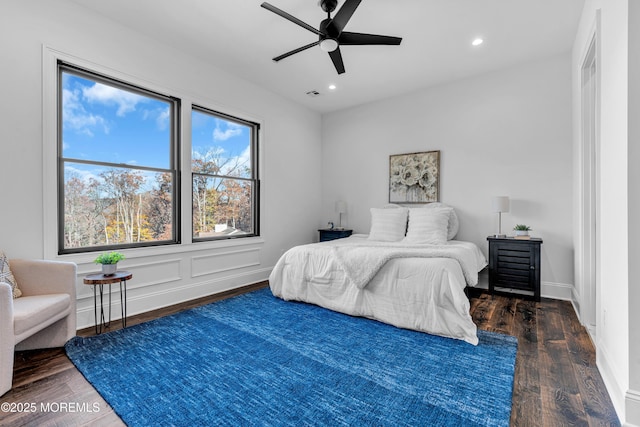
(173, 275)
(224, 261)
(162, 296)
(144, 274)
(155, 273)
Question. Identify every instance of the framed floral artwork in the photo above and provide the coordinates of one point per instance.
(414, 177)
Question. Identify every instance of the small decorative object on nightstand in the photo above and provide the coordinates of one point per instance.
(514, 264)
(522, 231)
(333, 233)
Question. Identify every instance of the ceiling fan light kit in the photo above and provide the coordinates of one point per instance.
(330, 33)
(328, 45)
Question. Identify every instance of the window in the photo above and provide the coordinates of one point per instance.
(224, 166)
(117, 164)
(118, 168)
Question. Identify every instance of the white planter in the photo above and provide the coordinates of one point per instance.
(521, 232)
(109, 269)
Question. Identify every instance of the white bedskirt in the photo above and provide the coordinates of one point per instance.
(419, 293)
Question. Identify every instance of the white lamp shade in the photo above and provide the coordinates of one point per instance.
(500, 204)
(341, 206)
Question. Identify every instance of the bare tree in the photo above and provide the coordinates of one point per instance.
(210, 190)
(122, 187)
(160, 211)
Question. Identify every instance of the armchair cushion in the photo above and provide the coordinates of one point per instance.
(7, 276)
(37, 312)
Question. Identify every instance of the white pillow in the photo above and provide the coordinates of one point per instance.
(454, 223)
(388, 224)
(428, 226)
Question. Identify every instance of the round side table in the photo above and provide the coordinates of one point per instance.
(99, 280)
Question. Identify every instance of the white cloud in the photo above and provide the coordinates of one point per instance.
(163, 119)
(84, 175)
(126, 101)
(207, 154)
(77, 118)
(160, 115)
(234, 165)
(245, 157)
(232, 129)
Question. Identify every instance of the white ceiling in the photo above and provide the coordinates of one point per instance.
(241, 37)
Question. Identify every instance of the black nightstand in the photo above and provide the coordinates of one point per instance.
(333, 233)
(514, 264)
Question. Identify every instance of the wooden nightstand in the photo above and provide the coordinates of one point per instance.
(514, 264)
(333, 233)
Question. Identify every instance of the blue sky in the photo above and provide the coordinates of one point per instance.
(108, 124)
(230, 140)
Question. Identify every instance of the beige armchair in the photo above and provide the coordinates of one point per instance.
(43, 317)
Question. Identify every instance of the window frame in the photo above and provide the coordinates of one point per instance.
(254, 179)
(174, 158)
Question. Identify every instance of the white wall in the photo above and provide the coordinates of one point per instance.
(503, 133)
(633, 393)
(617, 336)
(162, 276)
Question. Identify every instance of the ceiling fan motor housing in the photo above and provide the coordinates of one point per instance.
(328, 30)
(328, 5)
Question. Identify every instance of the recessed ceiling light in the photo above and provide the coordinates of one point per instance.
(332, 87)
(477, 42)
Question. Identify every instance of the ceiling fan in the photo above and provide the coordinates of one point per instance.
(330, 34)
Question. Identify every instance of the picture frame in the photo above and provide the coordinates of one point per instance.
(414, 177)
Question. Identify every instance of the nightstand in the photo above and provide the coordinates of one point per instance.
(333, 233)
(515, 264)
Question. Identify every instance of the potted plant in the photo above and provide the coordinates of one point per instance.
(109, 262)
(522, 230)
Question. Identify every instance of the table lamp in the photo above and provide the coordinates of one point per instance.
(341, 207)
(500, 204)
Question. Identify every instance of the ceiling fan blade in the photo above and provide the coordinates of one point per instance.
(347, 38)
(336, 57)
(342, 16)
(291, 18)
(300, 49)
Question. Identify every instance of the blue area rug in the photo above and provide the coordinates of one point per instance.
(257, 360)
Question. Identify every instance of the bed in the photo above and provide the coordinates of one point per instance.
(408, 272)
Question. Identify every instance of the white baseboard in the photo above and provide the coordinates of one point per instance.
(616, 393)
(561, 291)
(632, 408)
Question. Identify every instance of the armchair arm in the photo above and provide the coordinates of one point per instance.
(39, 277)
(6, 316)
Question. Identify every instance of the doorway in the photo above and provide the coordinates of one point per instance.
(589, 188)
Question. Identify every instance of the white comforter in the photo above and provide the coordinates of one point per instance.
(418, 287)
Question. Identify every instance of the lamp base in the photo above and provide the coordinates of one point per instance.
(500, 235)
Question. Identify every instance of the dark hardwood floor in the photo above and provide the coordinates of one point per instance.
(556, 380)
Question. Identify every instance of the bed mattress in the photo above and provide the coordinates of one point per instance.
(419, 287)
